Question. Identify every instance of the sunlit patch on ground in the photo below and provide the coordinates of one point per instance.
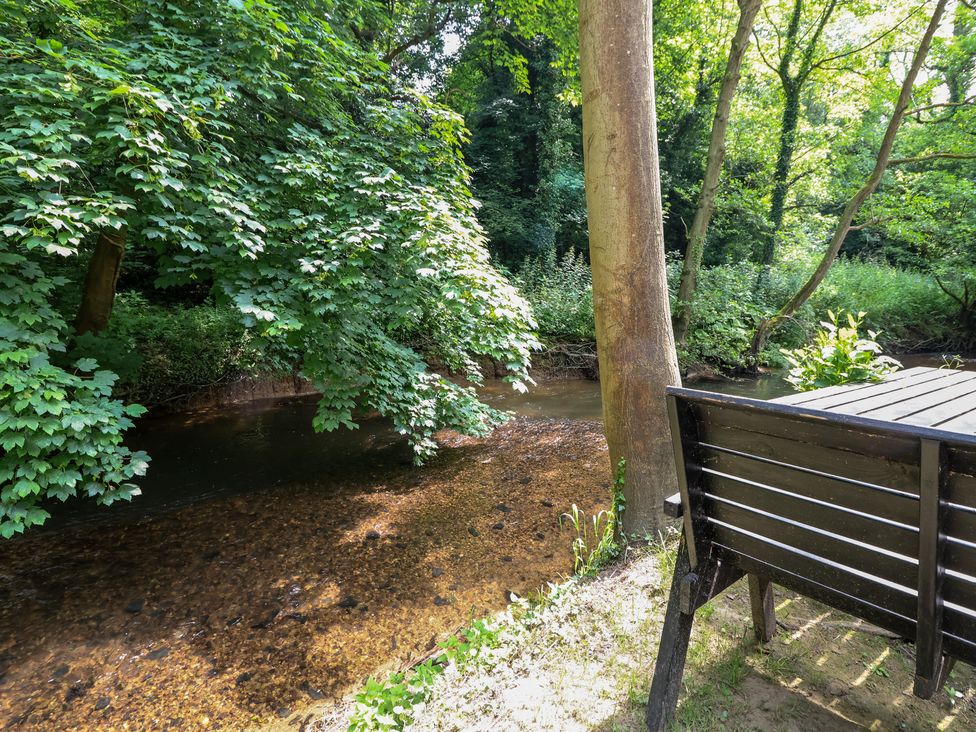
(588, 668)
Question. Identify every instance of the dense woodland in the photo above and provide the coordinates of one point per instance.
(381, 194)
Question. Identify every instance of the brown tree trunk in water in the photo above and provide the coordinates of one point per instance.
(630, 295)
(100, 281)
(766, 326)
(713, 169)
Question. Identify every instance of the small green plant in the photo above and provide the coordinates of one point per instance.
(838, 355)
(391, 704)
(951, 361)
(597, 545)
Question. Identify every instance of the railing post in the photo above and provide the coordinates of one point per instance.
(684, 438)
(930, 663)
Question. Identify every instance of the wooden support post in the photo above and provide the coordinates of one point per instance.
(931, 665)
(689, 591)
(673, 650)
(763, 608)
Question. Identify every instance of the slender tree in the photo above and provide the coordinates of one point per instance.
(635, 343)
(794, 79)
(713, 169)
(844, 224)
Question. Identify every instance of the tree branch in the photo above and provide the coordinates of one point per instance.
(964, 103)
(932, 156)
(851, 52)
(431, 30)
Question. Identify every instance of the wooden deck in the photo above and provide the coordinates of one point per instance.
(927, 397)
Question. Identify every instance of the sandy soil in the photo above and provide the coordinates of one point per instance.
(241, 611)
(588, 666)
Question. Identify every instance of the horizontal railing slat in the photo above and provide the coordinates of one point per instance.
(875, 470)
(900, 539)
(812, 571)
(882, 504)
(895, 569)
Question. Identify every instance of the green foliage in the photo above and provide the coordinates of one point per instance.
(391, 704)
(60, 430)
(162, 353)
(838, 355)
(596, 546)
(257, 150)
(726, 312)
(909, 306)
(560, 290)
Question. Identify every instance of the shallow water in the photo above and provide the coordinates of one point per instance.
(207, 454)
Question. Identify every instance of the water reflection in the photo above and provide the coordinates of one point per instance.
(237, 449)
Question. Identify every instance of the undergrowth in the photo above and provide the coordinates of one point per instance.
(596, 543)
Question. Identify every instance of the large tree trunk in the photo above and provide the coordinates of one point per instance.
(766, 326)
(630, 296)
(100, 281)
(713, 170)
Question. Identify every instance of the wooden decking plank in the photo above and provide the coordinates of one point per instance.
(964, 423)
(833, 401)
(908, 401)
(884, 395)
(947, 404)
(806, 396)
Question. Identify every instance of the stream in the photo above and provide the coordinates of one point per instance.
(268, 570)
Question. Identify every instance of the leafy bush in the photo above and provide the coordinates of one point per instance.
(725, 315)
(907, 308)
(589, 557)
(838, 356)
(391, 704)
(560, 291)
(161, 353)
(60, 429)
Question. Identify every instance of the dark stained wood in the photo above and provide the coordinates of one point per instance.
(763, 608)
(855, 581)
(687, 461)
(875, 502)
(884, 616)
(821, 517)
(842, 444)
(858, 496)
(673, 651)
(690, 590)
(928, 642)
(672, 506)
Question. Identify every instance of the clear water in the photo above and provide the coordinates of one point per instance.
(202, 455)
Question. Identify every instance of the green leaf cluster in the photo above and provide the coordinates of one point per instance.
(838, 355)
(257, 149)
